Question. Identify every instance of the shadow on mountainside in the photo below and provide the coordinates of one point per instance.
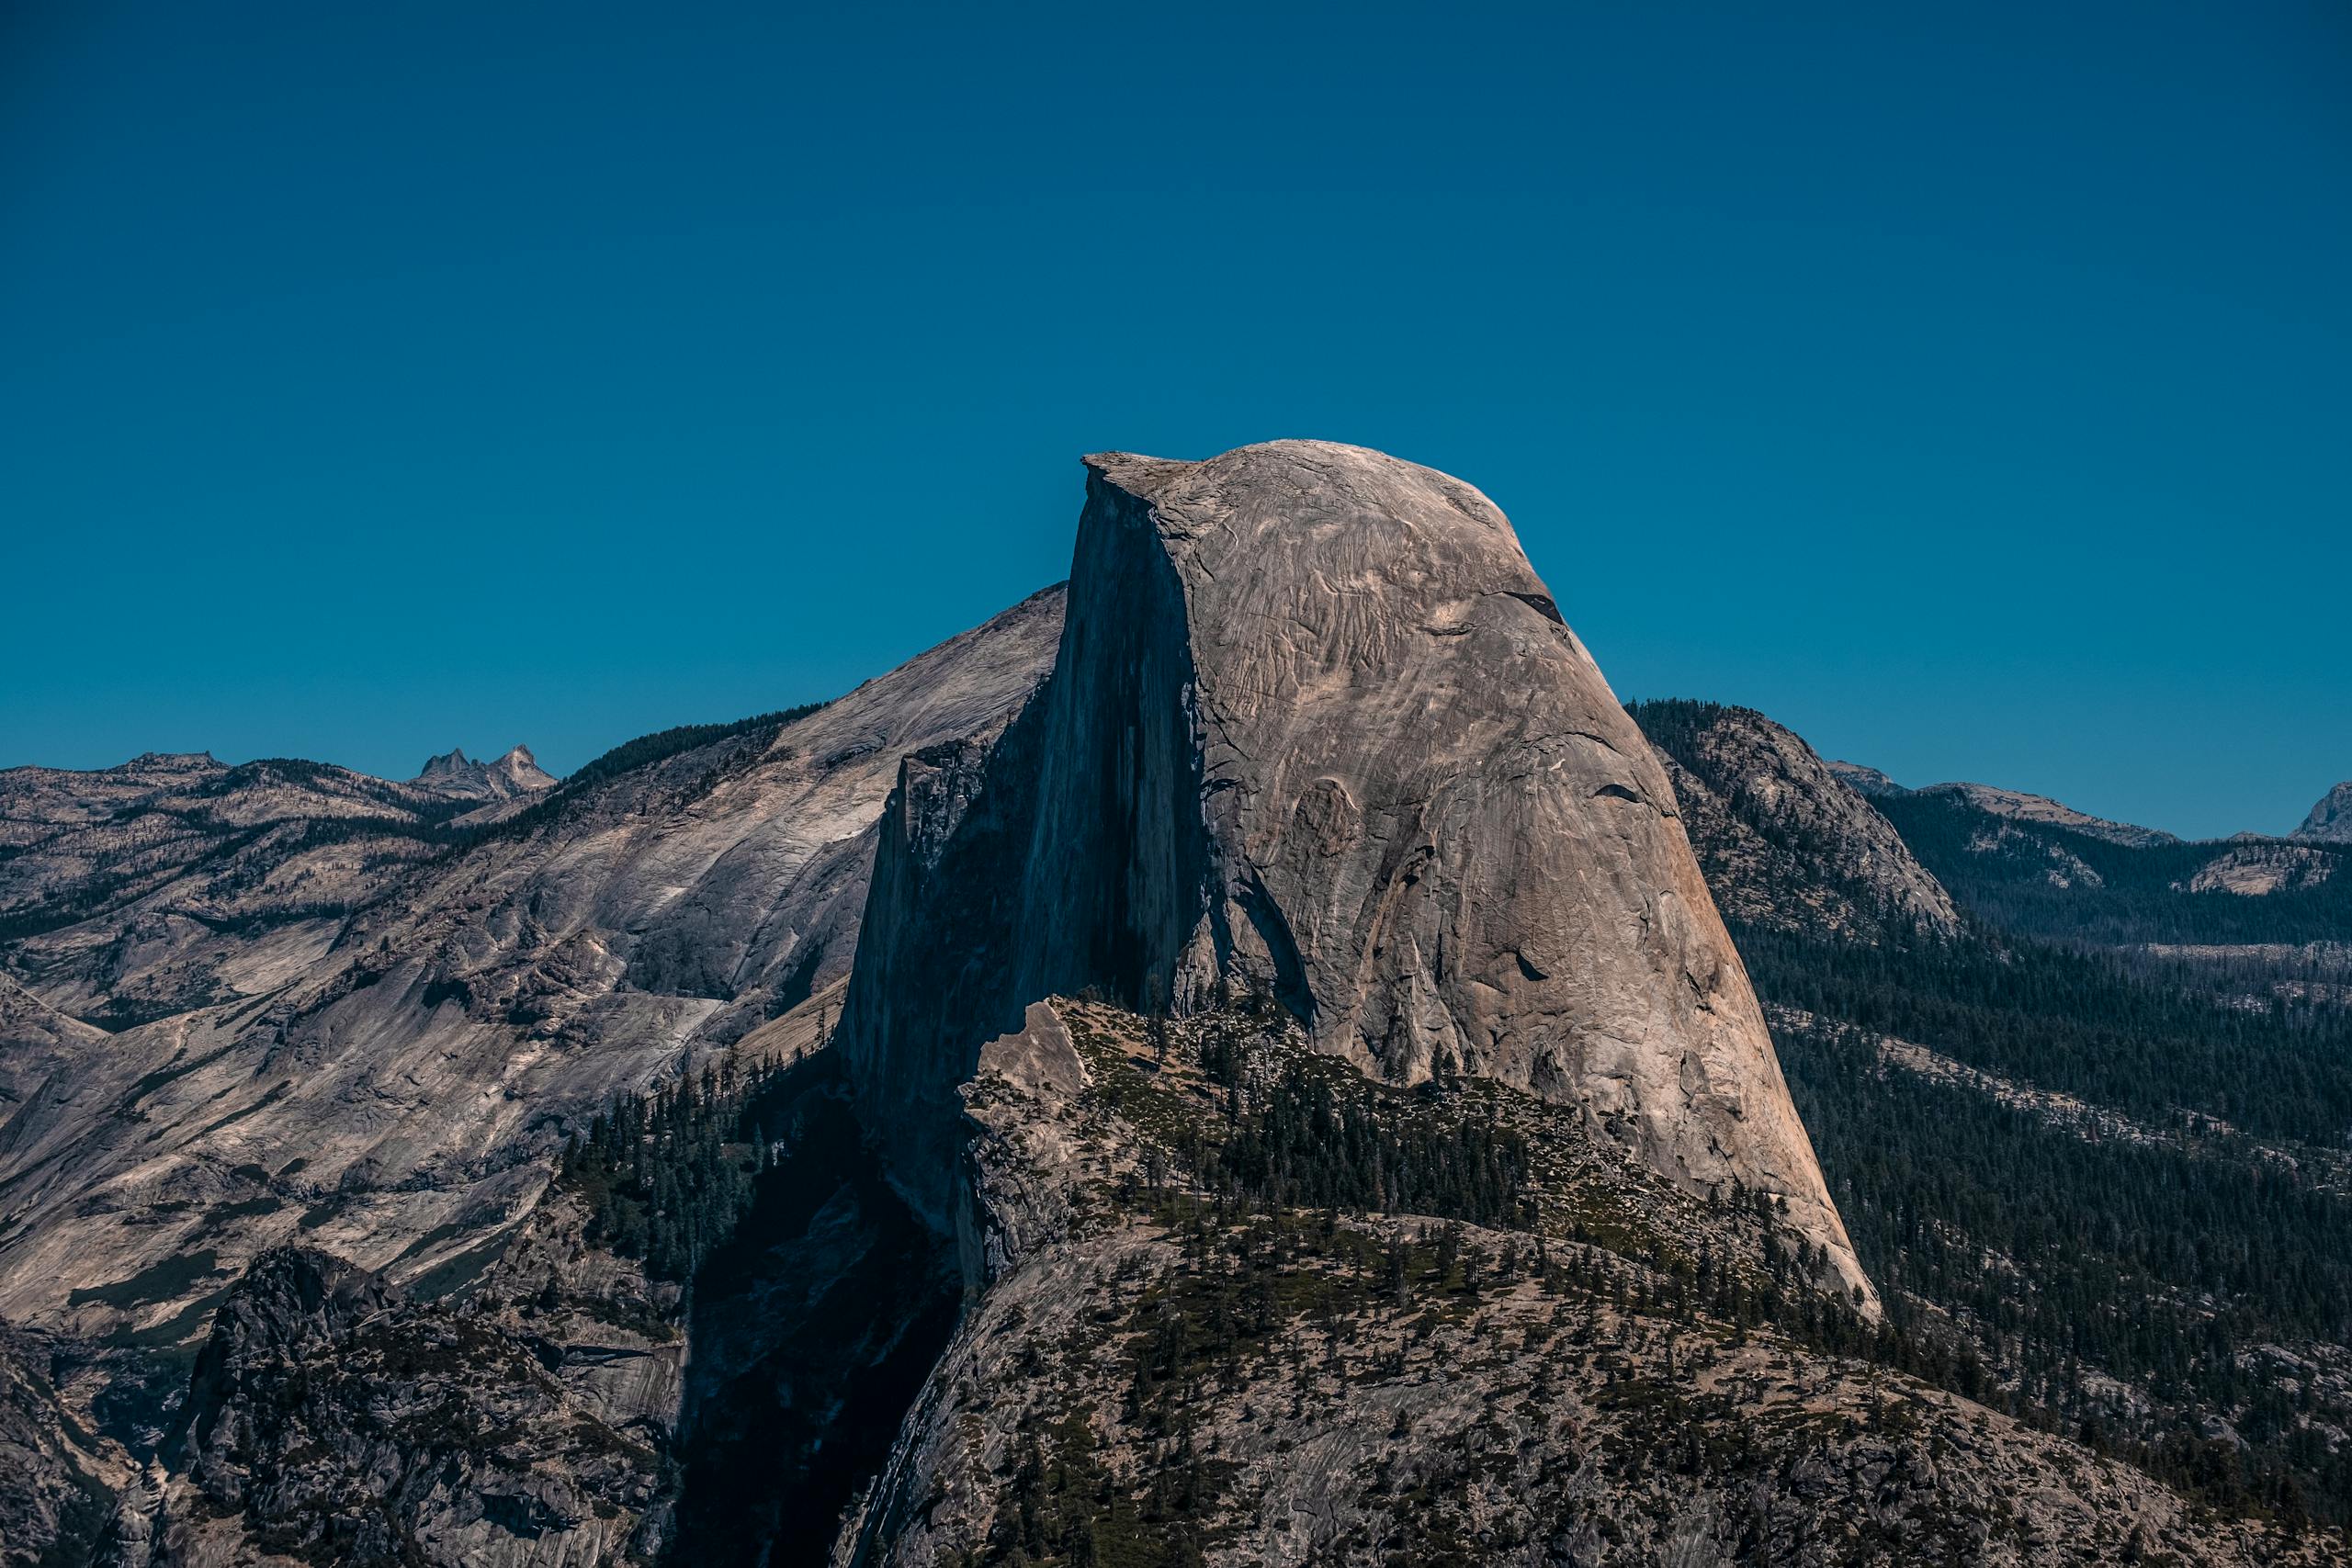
(813, 1330)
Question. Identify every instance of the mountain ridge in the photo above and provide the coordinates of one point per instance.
(650, 922)
(1067, 1099)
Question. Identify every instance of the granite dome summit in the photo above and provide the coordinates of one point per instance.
(1317, 728)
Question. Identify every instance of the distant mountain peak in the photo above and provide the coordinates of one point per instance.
(2041, 810)
(168, 761)
(2331, 819)
(524, 769)
(454, 774)
(1865, 780)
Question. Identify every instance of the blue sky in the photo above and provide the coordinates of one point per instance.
(1968, 391)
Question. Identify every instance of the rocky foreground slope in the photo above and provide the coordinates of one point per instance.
(1241, 1311)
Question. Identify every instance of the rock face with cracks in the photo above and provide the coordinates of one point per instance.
(1317, 728)
(330, 1419)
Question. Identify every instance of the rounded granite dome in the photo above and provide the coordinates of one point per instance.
(1317, 726)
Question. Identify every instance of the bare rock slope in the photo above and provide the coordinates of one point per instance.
(1317, 729)
(2038, 810)
(1865, 780)
(1788, 841)
(176, 882)
(2331, 818)
(394, 1099)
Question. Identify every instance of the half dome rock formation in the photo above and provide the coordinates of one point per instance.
(2331, 819)
(1317, 729)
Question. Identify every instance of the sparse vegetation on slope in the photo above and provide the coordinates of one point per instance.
(1185, 1370)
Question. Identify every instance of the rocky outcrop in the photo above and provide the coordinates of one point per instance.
(1785, 842)
(1152, 1379)
(2331, 819)
(517, 774)
(2257, 870)
(56, 1504)
(1316, 729)
(331, 1418)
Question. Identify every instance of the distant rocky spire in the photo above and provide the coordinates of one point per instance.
(454, 774)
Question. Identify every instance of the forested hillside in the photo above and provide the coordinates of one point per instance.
(2041, 880)
(2120, 1171)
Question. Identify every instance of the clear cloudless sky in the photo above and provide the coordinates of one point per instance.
(1968, 387)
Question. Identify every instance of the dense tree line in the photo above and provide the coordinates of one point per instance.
(663, 744)
(629, 757)
(1314, 1135)
(2157, 1264)
(2163, 1254)
(668, 1175)
(2083, 1022)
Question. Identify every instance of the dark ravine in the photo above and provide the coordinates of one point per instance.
(812, 1330)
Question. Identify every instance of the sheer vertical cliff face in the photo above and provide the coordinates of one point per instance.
(1317, 728)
